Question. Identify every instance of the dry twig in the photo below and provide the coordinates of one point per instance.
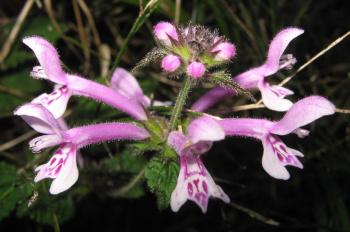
(6, 48)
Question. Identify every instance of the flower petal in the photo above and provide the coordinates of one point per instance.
(277, 155)
(195, 183)
(276, 49)
(101, 93)
(126, 84)
(38, 117)
(210, 98)
(247, 127)
(92, 134)
(48, 58)
(176, 140)
(62, 167)
(205, 129)
(249, 79)
(55, 102)
(273, 96)
(302, 113)
(271, 164)
(41, 142)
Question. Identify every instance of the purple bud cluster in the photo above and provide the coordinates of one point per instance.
(193, 48)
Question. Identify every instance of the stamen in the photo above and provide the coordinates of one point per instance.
(41, 142)
(38, 73)
(301, 133)
(287, 61)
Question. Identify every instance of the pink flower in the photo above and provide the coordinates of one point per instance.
(62, 166)
(276, 154)
(68, 84)
(194, 182)
(126, 84)
(196, 69)
(273, 96)
(164, 31)
(170, 63)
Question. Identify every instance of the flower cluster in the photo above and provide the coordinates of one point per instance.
(194, 50)
(195, 47)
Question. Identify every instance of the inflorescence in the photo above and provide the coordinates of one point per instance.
(194, 53)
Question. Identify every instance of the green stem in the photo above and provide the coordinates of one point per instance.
(144, 14)
(55, 223)
(180, 102)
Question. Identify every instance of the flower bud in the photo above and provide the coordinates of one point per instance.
(224, 51)
(163, 31)
(170, 63)
(196, 69)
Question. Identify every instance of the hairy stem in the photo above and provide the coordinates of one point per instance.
(180, 102)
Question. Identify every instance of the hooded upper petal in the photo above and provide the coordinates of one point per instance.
(48, 58)
(205, 129)
(55, 102)
(195, 183)
(62, 167)
(127, 85)
(302, 113)
(276, 49)
(273, 96)
(39, 118)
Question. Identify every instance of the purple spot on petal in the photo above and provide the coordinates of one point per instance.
(205, 186)
(190, 189)
(58, 169)
(280, 157)
(196, 181)
(53, 160)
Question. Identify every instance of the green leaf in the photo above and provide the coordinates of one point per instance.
(46, 206)
(20, 82)
(42, 26)
(161, 176)
(127, 161)
(8, 174)
(12, 192)
(136, 192)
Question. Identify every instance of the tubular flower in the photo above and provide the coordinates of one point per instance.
(68, 84)
(62, 166)
(272, 96)
(126, 84)
(276, 154)
(194, 182)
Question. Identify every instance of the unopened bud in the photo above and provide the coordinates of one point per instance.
(224, 51)
(163, 31)
(196, 69)
(170, 63)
